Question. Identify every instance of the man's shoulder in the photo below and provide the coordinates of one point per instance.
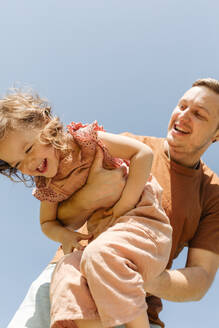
(210, 183)
(208, 174)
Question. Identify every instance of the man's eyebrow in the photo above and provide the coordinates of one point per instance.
(197, 105)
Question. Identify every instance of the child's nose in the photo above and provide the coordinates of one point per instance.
(29, 165)
(32, 165)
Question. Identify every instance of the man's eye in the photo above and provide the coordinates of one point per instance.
(27, 151)
(200, 116)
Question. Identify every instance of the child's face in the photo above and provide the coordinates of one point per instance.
(23, 150)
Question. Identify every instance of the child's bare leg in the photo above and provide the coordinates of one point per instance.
(140, 322)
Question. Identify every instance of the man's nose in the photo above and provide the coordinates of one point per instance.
(184, 115)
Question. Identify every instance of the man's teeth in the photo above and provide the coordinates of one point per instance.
(180, 130)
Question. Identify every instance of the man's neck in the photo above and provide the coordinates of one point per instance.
(184, 161)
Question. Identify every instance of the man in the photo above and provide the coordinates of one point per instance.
(190, 199)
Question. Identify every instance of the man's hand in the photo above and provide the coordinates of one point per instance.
(190, 283)
(102, 187)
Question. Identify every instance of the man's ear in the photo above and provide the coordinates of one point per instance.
(216, 137)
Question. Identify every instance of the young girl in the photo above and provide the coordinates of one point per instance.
(128, 245)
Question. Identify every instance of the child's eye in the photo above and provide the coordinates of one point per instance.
(16, 165)
(27, 151)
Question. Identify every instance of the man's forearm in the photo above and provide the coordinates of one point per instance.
(182, 285)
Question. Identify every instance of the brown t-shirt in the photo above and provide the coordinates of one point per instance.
(191, 201)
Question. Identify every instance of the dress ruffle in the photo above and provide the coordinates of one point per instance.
(74, 168)
(86, 134)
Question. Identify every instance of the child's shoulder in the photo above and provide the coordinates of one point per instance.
(151, 141)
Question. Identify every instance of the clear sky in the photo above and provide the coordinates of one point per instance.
(124, 63)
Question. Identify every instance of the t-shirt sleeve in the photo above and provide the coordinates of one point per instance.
(207, 234)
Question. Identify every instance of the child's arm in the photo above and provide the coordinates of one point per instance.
(55, 231)
(140, 156)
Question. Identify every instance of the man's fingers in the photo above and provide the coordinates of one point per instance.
(108, 212)
(98, 161)
(82, 236)
(124, 170)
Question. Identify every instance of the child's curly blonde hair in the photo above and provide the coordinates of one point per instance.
(25, 109)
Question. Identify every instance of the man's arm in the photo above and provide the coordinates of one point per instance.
(190, 283)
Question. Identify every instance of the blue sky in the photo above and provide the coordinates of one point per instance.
(124, 63)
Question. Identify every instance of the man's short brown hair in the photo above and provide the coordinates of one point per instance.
(210, 83)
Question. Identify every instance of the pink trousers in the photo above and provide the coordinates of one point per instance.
(106, 280)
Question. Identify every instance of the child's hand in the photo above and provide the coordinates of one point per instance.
(71, 241)
(119, 209)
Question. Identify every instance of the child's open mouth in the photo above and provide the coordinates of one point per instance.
(43, 166)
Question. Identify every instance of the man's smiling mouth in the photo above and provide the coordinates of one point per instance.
(178, 128)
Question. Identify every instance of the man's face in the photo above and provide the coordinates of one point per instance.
(193, 124)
